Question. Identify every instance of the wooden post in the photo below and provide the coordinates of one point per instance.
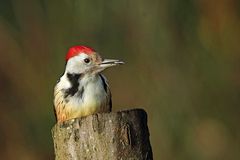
(120, 135)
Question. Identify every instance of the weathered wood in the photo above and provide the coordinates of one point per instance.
(120, 135)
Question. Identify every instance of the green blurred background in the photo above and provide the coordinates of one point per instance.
(182, 66)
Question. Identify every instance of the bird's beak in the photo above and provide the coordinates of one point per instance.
(109, 63)
(106, 63)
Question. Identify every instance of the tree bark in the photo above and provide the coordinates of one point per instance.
(120, 135)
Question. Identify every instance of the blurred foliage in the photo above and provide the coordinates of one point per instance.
(182, 66)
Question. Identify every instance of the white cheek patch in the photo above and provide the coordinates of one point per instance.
(76, 64)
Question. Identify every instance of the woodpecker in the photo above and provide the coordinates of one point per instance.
(82, 90)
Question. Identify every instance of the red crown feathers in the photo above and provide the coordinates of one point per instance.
(75, 50)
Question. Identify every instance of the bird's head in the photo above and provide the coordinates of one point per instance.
(82, 59)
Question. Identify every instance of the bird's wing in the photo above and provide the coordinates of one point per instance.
(108, 104)
(59, 105)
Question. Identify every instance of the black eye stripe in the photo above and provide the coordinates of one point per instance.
(86, 60)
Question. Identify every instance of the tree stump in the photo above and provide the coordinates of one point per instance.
(119, 135)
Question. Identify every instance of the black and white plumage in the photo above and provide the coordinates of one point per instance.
(83, 90)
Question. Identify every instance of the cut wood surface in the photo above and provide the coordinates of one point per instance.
(119, 135)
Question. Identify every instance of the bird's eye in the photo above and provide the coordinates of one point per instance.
(86, 60)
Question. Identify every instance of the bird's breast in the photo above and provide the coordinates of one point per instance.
(89, 99)
(78, 96)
